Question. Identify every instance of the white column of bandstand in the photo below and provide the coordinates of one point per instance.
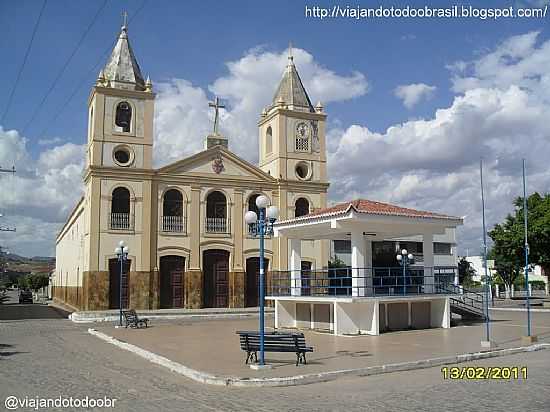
(358, 253)
(295, 266)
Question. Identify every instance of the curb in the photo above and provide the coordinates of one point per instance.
(113, 316)
(210, 379)
(520, 310)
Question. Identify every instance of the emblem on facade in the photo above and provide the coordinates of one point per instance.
(217, 164)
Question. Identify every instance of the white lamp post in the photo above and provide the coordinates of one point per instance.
(121, 252)
(264, 226)
(404, 258)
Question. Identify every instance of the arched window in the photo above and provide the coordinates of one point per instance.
(301, 207)
(269, 140)
(120, 209)
(172, 211)
(123, 117)
(216, 213)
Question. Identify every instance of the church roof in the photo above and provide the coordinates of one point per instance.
(291, 90)
(122, 66)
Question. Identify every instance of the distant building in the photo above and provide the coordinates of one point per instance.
(477, 264)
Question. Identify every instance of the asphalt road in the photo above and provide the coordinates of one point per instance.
(42, 354)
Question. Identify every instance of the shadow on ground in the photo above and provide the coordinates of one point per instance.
(5, 353)
(15, 311)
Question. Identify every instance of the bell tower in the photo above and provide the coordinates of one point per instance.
(292, 132)
(121, 105)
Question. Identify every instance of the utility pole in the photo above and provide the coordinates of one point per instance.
(6, 228)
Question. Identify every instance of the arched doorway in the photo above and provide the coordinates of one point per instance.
(215, 278)
(114, 283)
(252, 288)
(172, 269)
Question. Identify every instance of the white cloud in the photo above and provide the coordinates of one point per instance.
(500, 114)
(411, 94)
(48, 142)
(183, 119)
(41, 193)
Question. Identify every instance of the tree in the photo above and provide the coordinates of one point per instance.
(508, 237)
(465, 272)
(37, 281)
(336, 263)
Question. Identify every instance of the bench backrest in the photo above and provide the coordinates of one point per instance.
(251, 341)
(130, 315)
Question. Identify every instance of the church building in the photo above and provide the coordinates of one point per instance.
(189, 246)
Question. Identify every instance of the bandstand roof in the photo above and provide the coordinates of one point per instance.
(377, 220)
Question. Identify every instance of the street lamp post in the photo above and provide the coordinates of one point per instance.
(121, 252)
(404, 259)
(263, 226)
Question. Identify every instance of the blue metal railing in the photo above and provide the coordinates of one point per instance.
(376, 281)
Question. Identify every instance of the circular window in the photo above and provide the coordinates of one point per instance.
(303, 171)
(123, 156)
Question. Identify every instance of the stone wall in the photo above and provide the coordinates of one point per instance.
(96, 290)
(69, 295)
(193, 289)
(236, 289)
(139, 290)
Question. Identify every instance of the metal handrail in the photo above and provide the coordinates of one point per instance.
(216, 225)
(173, 224)
(120, 221)
(376, 281)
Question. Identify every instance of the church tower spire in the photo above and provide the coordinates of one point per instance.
(122, 70)
(121, 110)
(291, 91)
(292, 133)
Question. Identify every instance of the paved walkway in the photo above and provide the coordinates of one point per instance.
(213, 347)
(50, 357)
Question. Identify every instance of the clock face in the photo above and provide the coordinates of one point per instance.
(302, 130)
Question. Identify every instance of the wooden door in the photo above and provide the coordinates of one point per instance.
(177, 288)
(171, 281)
(216, 278)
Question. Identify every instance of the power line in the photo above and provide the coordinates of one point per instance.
(85, 78)
(27, 52)
(35, 113)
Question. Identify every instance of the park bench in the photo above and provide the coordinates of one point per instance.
(274, 342)
(131, 319)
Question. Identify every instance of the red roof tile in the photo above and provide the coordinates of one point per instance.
(376, 208)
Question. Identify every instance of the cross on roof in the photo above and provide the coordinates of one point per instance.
(290, 56)
(217, 106)
(125, 18)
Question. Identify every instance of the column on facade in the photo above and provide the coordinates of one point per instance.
(428, 251)
(194, 228)
(358, 254)
(295, 266)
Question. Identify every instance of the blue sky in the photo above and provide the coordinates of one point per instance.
(191, 50)
(193, 39)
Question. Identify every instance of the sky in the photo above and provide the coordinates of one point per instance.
(412, 103)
